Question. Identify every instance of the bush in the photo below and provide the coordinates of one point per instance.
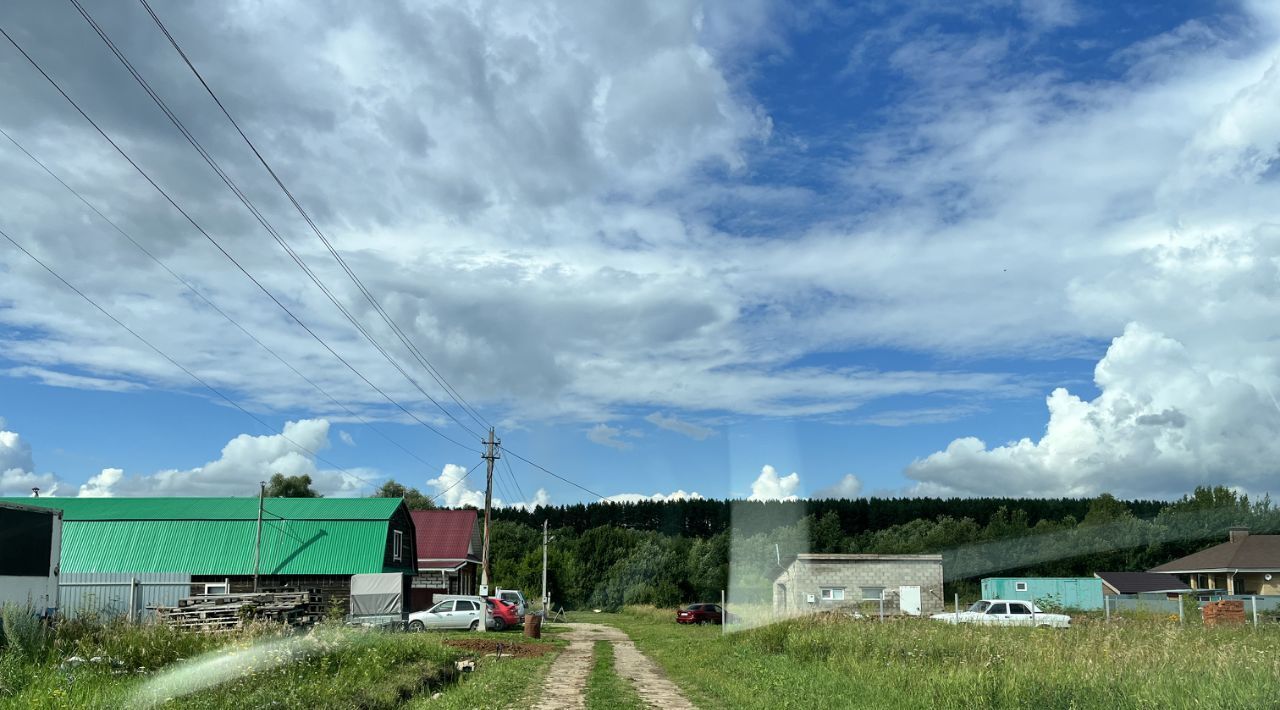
(24, 632)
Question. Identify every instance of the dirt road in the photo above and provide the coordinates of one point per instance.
(566, 682)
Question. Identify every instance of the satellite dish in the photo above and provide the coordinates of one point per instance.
(1267, 576)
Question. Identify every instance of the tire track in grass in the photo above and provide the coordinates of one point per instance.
(606, 690)
(566, 683)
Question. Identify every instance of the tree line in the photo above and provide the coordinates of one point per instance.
(666, 553)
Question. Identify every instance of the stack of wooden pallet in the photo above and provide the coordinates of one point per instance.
(224, 612)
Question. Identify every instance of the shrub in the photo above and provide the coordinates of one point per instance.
(24, 632)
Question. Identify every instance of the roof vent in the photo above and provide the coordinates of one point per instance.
(1237, 533)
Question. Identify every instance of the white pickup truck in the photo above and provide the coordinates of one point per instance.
(1005, 612)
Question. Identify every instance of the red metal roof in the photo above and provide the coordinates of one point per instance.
(444, 534)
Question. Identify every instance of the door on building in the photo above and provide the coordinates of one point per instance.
(909, 600)
(781, 593)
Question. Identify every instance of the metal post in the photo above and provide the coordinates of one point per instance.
(257, 543)
(1106, 605)
(882, 606)
(133, 599)
(957, 602)
(1182, 620)
(1254, 601)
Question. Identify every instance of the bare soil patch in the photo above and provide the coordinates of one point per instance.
(506, 648)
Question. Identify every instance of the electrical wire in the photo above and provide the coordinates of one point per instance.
(209, 302)
(511, 474)
(219, 246)
(253, 209)
(455, 483)
(404, 339)
(174, 362)
(548, 471)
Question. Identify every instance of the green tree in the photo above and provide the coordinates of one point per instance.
(282, 486)
(413, 498)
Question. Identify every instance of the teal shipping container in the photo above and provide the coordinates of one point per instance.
(1083, 593)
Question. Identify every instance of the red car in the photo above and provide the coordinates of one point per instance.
(504, 614)
(703, 614)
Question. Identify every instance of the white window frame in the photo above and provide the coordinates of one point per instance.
(397, 544)
(1019, 586)
(832, 594)
(867, 597)
(224, 586)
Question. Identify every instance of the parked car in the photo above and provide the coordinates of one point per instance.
(505, 613)
(515, 597)
(704, 614)
(1005, 612)
(457, 612)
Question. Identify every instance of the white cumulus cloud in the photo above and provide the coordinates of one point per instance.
(770, 486)
(1164, 422)
(680, 494)
(245, 461)
(847, 487)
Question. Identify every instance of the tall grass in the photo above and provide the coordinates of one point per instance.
(832, 662)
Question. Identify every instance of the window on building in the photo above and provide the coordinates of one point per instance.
(833, 594)
(397, 545)
(872, 594)
(1019, 586)
(217, 588)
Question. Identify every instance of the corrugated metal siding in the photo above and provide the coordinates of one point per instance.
(109, 595)
(1071, 592)
(213, 547)
(216, 508)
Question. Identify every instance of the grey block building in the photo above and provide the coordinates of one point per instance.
(815, 582)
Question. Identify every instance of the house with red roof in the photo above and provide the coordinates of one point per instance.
(448, 545)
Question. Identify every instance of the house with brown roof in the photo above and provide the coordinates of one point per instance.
(1244, 564)
(448, 543)
(1124, 583)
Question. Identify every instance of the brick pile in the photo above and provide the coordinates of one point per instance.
(1223, 612)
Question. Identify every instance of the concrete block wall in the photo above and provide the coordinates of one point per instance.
(805, 577)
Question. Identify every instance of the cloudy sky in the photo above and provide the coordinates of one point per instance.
(667, 248)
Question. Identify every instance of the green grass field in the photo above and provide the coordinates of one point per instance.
(331, 667)
(867, 664)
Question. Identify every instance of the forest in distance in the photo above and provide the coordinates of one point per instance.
(665, 553)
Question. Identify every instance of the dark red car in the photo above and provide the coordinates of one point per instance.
(504, 614)
(703, 614)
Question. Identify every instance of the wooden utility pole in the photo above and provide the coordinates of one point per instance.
(257, 543)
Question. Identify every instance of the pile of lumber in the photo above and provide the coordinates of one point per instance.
(224, 612)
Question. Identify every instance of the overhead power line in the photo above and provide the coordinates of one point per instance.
(511, 474)
(253, 209)
(174, 362)
(31, 60)
(377, 306)
(549, 472)
(455, 483)
(207, 301)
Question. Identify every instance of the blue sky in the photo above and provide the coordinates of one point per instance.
(1007, 248)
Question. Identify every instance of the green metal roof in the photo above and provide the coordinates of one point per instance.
(224, 546)
(216, 508)
(215, 536)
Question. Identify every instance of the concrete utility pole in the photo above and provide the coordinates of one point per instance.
(545, 601)
(490, 455)
(257, 543)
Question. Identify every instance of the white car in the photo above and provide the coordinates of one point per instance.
(457, 612)
(1005, 612)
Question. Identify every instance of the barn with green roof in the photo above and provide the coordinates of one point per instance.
(305, 543)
